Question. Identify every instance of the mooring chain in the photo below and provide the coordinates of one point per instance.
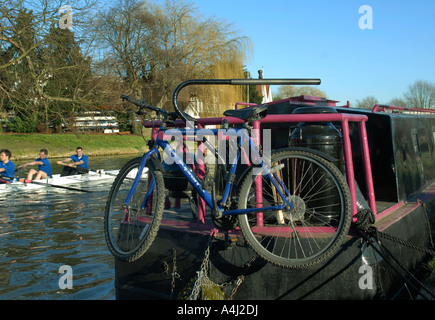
(364, 226)
(175, 275)
(241, 278)
(203, 280)
(202, 273)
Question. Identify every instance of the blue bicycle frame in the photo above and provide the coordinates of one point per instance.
(204, 194)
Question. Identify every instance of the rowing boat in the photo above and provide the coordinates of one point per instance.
(58, 181)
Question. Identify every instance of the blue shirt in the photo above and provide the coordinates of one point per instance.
(84, 158)
(45, 167)
(10, 169)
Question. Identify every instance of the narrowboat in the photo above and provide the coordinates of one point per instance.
(387, 155)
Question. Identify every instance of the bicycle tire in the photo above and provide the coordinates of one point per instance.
(315, 228)
(130, 231)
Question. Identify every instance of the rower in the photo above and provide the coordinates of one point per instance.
(44, 166)
(76, 164)
(7, 167)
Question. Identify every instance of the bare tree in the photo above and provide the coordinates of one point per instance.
(153, 48)
(367, 102)
(293, 91)
(398, 102)
(421, 94)
(123, 38)
(135, 47)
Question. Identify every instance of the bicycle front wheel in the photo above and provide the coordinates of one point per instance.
(311, 231)
(130, 228)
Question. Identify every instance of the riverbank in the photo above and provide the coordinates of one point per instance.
(27, 146)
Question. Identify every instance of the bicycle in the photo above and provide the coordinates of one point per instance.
(294, 214)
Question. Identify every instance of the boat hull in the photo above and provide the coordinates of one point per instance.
(356, 271)
(57, 180)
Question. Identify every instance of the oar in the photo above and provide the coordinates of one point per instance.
(102, 172)
(80, 169)
(53, 185)
(113, 174)
(83, 170)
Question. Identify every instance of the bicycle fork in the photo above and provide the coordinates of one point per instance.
(151, 184)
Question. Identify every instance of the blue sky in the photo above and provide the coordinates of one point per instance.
(322, 39)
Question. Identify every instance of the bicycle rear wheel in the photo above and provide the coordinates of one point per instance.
(310, 232)
(130, 229)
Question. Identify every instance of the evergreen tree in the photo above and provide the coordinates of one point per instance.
(43, 73)
(67, 74)
(18, 94)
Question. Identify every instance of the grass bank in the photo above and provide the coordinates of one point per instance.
(27, 146)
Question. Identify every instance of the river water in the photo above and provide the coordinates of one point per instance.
(43, 230)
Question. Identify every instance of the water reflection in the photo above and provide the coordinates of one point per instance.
(46, 228)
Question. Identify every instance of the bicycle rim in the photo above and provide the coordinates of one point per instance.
(311, 231)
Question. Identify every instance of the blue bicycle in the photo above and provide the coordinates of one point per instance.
(293, 210)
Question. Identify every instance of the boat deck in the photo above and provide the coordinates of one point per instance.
(180, 217)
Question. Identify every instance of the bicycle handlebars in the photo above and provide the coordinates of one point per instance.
(235, 82)
(141, 104)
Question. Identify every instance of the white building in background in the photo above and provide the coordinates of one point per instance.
(96, 120)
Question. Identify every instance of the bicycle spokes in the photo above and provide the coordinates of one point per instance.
(310, 229)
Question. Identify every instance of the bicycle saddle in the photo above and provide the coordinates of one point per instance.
(248, 114)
